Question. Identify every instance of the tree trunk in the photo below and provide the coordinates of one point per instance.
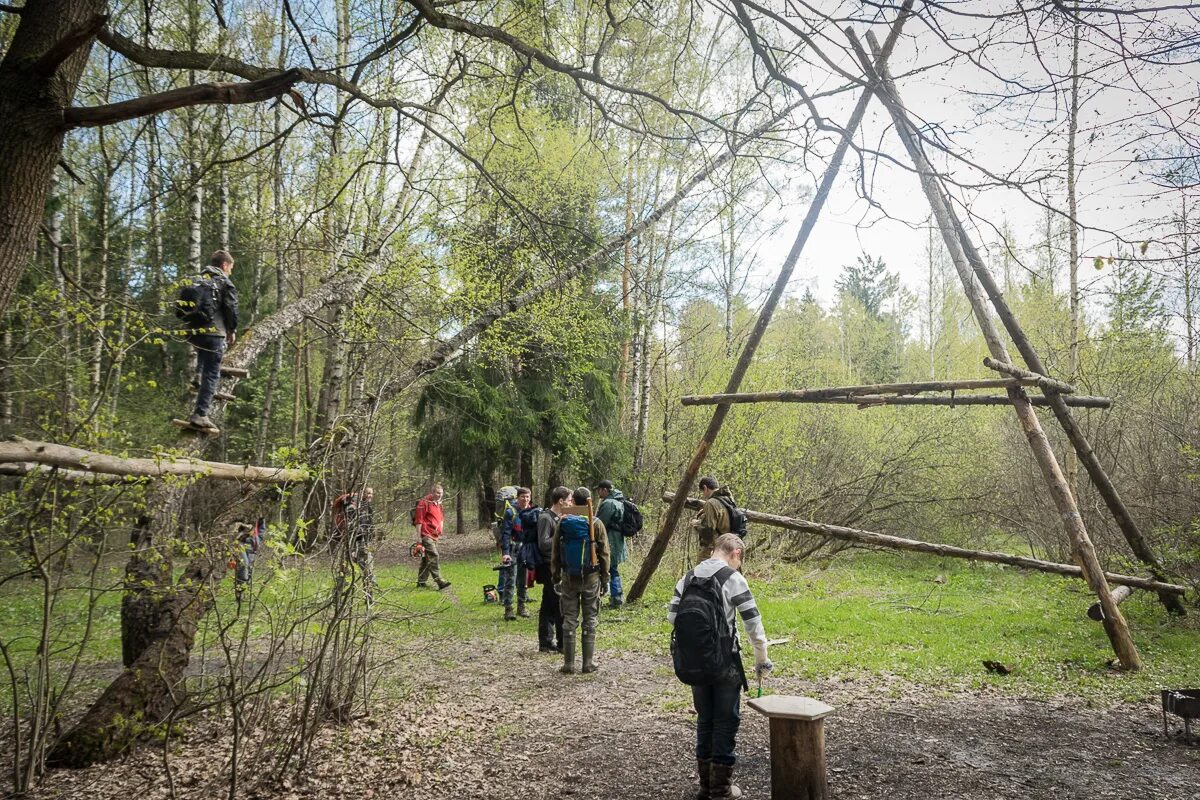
(1072, 210)
(38, 77)
(659, 546)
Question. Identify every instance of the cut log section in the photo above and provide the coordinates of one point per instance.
(227, 396)
(46, 454)
(1119, 595)
(915, 545)
(234, 372)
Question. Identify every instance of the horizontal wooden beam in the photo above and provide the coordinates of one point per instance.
(21, 469)
(868, 400)
(47, 454)
(1040, 381)
(914, 545)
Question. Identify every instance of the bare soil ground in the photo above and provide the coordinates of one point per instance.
(497, 721)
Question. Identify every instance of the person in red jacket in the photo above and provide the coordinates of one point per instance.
(429, 529)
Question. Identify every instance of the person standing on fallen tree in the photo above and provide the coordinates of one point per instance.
(214, 314)
(713, 519)
(707, 656)
(429, 520)
(579, 558)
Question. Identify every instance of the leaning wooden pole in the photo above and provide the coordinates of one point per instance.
(1114, 622)
(659, 546)
(874, 539)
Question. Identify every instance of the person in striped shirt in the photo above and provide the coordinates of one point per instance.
(718, 704)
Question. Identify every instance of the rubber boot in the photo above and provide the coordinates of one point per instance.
(522, 611)
(702, 770)
(589, 651)
(568, 649)
(720, 782)
(509, 614)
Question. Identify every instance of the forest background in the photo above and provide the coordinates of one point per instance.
(449, 271)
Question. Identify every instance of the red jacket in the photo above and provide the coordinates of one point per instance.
(429, 517)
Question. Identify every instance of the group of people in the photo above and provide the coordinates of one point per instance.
(575, 558)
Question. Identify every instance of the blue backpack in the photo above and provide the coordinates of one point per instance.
(575, 546)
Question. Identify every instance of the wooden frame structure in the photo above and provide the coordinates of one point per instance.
(981, 290)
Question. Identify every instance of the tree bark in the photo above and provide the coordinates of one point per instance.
(659, 546)
(38, 80)
(874, 539)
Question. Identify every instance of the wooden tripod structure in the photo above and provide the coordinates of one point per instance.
(974, 276)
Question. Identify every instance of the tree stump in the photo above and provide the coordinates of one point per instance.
(797, 746)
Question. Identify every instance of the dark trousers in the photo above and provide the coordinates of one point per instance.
(550, 627)
(718, 716)
(210, 350)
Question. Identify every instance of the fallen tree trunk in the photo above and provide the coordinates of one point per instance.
(915, 545)
(1119, 595)
(78, 476)
(151, 687)
(1040, 381)
(87, 462)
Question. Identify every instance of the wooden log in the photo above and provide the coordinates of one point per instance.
(874, 539)
(234, 372)
(810, 395)
(74, 458)
(78, 476)
(1040, 381)
(866, 401)
(658, 547)
(1119, 595)
(957, 242)
(797, 746)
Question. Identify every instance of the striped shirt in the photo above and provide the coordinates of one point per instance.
(737, 597)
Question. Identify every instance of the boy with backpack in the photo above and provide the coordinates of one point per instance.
(707, 656)
(718, 515)
(513, 580)
(550, 627)
(209, 307)
(579, 560)
(612, 513)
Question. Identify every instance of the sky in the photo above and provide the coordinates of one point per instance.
(1022, 137)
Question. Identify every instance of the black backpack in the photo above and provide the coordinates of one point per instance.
(737, 517)
(199, 302)
(702, 640)
(631, 519)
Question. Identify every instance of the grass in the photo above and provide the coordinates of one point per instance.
(888, 618)
(880, 616)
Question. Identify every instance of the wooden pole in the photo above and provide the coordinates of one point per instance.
(1041, 381)
(850, 391)
(954, 236)
(658, 547)
(874, 539)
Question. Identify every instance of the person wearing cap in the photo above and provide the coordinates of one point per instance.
(612, 513)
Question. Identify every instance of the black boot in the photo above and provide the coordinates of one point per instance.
(721, 786)
(702, 770)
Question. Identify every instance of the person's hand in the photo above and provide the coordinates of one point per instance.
(506, 560)
(695, 523)
(603, 589)
(230, 339)
(763, 667)
(558, 587)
